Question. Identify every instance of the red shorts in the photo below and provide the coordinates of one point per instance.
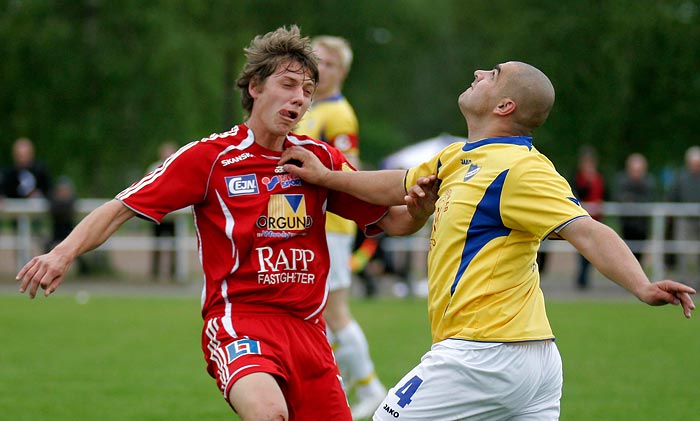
(294, 351)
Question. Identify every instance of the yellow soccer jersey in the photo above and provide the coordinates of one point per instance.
(333, 120)
(498, 199)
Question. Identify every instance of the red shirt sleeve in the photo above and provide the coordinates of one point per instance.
(365, 215)
(179, 182)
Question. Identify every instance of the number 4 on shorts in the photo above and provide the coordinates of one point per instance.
(405, 392)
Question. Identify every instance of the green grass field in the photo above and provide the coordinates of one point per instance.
(139, 358)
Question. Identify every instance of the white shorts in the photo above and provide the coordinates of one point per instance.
(340, 250)
(460, 380)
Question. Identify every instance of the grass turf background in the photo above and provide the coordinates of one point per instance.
(139, 358)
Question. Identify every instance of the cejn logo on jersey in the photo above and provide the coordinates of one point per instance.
(285, 212)
(239, 185)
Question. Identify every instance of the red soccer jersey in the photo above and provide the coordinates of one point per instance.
(260, 230)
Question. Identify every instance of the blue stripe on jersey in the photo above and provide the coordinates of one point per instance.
(334, 98)
(511, 140)
(486, 225)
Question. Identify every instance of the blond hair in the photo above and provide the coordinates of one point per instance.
(338, 45)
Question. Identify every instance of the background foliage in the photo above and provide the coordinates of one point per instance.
(98, 84)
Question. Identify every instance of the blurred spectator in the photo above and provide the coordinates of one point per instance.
(668, 176)
(26, 177)
(635, 185)
(685, 189)
(589, 188)
(62, 212)
(164, 232)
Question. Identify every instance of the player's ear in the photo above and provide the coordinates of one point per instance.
(505, 106)
(254, 87)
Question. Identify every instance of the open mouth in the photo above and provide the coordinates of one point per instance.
(289, 114)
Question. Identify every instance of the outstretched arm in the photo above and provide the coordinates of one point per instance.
(383, 187)
(420, 204)
(611, 256)
(49, 269)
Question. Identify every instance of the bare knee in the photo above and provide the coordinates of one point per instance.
(263, 413)
(258, 397)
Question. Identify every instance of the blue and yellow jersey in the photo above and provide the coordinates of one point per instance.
(498, 199)
(333, 121)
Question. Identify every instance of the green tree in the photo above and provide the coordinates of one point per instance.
(98, 84)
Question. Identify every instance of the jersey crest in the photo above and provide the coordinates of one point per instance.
(471, 172)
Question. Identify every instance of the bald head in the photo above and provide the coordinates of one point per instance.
(531, 90)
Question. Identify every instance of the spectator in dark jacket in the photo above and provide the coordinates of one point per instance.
(685, 189)
(635, 185)
(26, 177)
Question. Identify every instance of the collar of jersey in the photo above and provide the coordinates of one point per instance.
(511, 140)
(329, 99)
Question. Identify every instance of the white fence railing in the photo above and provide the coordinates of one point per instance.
(24, 211)
(656, 246)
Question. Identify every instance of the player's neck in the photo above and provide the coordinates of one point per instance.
(477, 132)
(266, 138)
(491, 129)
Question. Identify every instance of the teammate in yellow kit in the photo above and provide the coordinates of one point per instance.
(332, 119)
